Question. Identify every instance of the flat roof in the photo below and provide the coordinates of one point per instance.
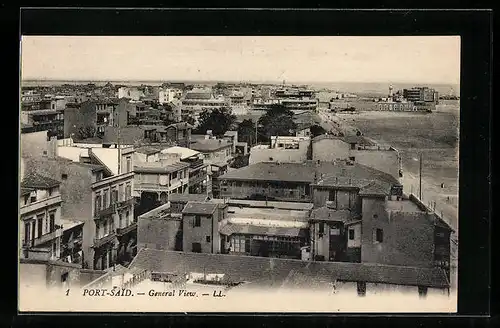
(201, 208)
(184, 198)
(204, 145)
(230, 228)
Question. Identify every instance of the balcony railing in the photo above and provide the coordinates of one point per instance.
(125, 230)
(113, 208)
(105, 211)
(43, 239)
(99, 241)
(43, 203)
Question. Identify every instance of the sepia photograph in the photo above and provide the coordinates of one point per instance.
(313, 174)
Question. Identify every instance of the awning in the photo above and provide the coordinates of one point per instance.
(248, 229)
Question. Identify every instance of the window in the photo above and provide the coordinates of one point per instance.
(121, 191)
(39, 223)
(26, 199)
(105, 199)
(174, 175)
(114, 195)
(33, 199)
(207, 238)
(52, 219)
(105, 223)
(331, 195)
(352, 158)
(375, 216)
(97, 204)
(379, 235)
(129, 164)
(197, 221)
(120, 219)
(351, 234)
(128, 191)
(54, 249)
(50, 191)
(353, 146)
(196, 248)
(321, 227)
(127, 217)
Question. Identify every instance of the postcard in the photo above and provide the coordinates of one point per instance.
(251, 174)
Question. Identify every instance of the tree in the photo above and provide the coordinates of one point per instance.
(86, 132)
(246, 131)
(317, 130)
(218, 120)
(278, 121)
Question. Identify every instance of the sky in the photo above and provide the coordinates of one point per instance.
(408, 59)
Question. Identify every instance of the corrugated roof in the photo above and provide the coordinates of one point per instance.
(199, 208)
(253, 269)
(37, 181)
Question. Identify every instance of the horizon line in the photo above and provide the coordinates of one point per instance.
(227, 80)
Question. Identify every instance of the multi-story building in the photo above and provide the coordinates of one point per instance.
(168, 95)
(200, 227)
(96, 188)
(162, 178)
(130, 93)
(199, 179)
(174, 134)
(218, 154)
(40, 211)
(51, 120)
(359, 220)
(291, 181)
(93, 117)
(421, 94)
(197, 100)
(358, 149)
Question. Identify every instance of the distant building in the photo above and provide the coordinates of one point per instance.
(94, 115)
(168, 95)
(51, 120)
(197, 100)
(130, 93)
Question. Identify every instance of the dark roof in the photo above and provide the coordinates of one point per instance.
(184, 198)
(161, 169)
(36, 181)
(26, 191)
(147, 150)
(210, 145)
(254, 269)
(199, 208)
(306, 172)
(329, 214)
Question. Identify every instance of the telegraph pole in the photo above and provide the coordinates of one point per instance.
(420, 178)
(256, 135)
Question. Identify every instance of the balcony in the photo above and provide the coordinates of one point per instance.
(40, 204)
(47, 237)
(122, 231)
(125, 203)
(99, 213)
(98, 242)
(193, 165)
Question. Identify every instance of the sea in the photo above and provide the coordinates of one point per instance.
(365, 89)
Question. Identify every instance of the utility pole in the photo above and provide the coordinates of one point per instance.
(256, 135)
(420, 178)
